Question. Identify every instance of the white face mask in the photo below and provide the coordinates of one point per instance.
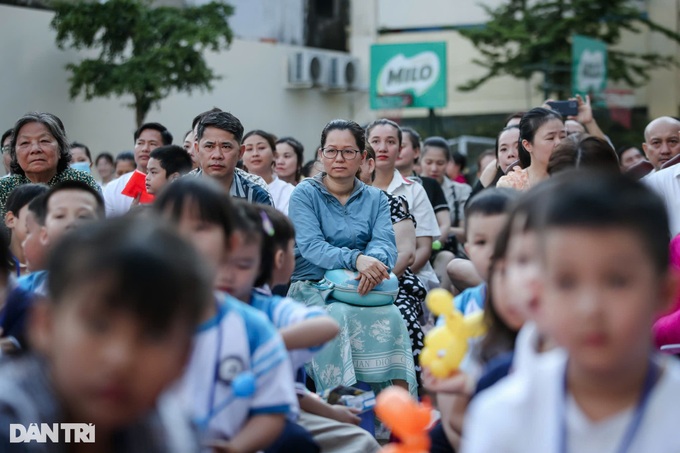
(82, 166)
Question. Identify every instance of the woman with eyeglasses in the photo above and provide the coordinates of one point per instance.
(341, 223)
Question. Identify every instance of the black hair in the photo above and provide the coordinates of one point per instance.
(608, 200)
(75, 185)
(585, 151)
(6, 134)
(213, 204)
(166, 136)
(437, 142)
(459, 160)
(55, 127)
(384, 122)
(37, 206)
(107, 156)
(345, 125)
(512, 116)
(22, 195)
(622, 149)
(270, 227)
(251, 223)
(221, 120)
(370, 154)
(270, 138)
(173, 159)
(307, 168)
(488, 202)
(299, 152)
(125, 155)
(530, 123)
(144, 266)
(198, 117)
(413, 136)
(81, 145)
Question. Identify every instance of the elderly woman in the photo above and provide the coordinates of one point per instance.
(341, 223)
(40, 154)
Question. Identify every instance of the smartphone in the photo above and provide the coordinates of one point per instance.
(564, 108)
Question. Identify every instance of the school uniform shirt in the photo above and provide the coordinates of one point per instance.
(418, 204)
(34, 283)
(457, 195)
(236, 343)
(471, 300)
(116, 203)
(285, 312)
(423, 213)
(280, 191)
(666, 183)
(523, 413)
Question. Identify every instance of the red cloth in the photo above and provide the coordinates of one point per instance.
(137, 185)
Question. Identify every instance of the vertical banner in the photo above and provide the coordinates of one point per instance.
(588, 67)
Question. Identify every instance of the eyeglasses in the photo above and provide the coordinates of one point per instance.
(5, 149)
(347, 154)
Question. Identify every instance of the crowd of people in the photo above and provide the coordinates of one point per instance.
(202, 297)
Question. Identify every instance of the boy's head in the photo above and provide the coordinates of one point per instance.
(68, 205)
(124, 298)
(17, 209)
(485, 215)
(166, 164)
(125, 163)
(240, 267)
(604, 250)
(278, 255)
(35, 253)
(202, 212)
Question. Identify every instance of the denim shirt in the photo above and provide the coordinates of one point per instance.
(329, 235)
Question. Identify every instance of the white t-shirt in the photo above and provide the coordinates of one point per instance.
(280, 191)
(116, 203)
(666, 183)
(521, 414)
(423, 213)
(418, 204)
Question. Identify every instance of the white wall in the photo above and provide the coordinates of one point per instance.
(278, 20)
(400, 14)
(253, 87)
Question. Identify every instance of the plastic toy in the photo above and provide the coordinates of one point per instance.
(446, 345)
(408, 420)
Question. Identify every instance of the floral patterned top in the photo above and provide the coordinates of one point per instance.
(11, 182)
(517, 179)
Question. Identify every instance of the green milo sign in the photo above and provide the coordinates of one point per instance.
(408, 75)
(589, 66)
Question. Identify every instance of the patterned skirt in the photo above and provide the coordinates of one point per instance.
(373, 345)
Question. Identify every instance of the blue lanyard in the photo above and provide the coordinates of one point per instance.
(628, 436)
